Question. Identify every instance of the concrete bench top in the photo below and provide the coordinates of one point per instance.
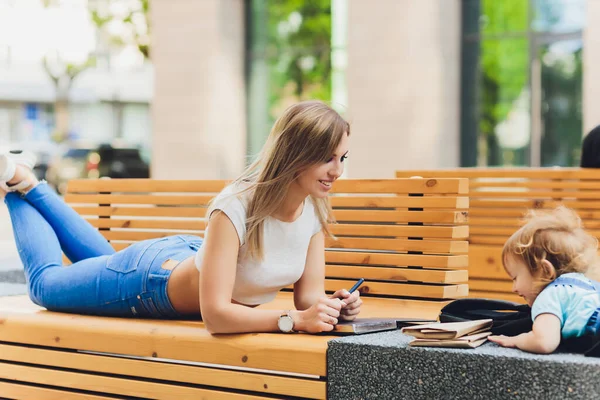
(383, 366)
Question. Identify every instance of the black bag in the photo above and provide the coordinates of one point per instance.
(509, 318)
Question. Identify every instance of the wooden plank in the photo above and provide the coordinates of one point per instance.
(436, 217)
(187, 224)
(426, 202)
(403, 290)
(541, 194)
(396, 274)
(491, 172)
(137, 235)
(151, 199)
(486, 262)
(450, 232)
(145, 185)
(489, 285)
(426, 246)
(240, 380)
(428, 186)
(533, 203)
(113, 385)
(16, 391)
(189, 212)
(488, 240)
(383, 259)
(496, 295)
(303, 354)
(535, 184)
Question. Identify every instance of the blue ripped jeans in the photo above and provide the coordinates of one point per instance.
(100, 281)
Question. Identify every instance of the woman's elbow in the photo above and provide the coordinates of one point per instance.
(213, 319)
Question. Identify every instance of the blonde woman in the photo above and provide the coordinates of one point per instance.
(266, 231)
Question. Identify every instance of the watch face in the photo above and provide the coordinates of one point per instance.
(285, 323)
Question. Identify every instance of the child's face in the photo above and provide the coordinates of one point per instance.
(523, 280)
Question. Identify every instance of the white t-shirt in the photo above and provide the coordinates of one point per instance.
(285, 246)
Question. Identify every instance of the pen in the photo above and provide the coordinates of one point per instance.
(356, 285)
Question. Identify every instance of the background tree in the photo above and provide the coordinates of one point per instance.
(132, 19)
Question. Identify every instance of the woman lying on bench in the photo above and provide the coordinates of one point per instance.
(266, 231)
(549, 260)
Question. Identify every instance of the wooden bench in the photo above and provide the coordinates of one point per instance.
(405, 236)
(499, 197)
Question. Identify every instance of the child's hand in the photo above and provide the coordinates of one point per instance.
(504, 341)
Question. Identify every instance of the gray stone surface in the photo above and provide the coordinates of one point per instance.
(383, 366)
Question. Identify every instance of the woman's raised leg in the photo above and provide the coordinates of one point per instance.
(80, 288)
(78, 239)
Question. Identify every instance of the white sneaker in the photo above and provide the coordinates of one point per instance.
(8, 167)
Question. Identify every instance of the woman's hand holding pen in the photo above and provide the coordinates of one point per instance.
(352, 302)
(320, 317)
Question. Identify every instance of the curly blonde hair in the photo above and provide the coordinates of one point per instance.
(557, 236)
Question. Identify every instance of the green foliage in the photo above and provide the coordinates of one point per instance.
(504, 66)
(298, 50)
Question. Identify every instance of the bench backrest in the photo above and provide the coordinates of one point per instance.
(406, 237)
(499, 198)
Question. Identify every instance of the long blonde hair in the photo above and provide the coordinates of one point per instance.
(557, 236)
(307, 133)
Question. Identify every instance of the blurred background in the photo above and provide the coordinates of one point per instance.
(190, 89)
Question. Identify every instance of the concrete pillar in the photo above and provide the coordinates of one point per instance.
(403, 81)
(198, 110)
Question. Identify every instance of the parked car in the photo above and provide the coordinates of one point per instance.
(96, 162)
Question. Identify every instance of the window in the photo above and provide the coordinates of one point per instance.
(521, 82)
(289, 58)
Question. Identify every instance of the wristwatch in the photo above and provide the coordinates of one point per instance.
(285, 323)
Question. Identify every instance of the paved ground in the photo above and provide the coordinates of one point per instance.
(11, 270)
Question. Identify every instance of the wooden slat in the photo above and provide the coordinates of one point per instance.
(144, 185)
(396, 274)
(112, 385)
(181, 224)
(303, 354)
(153, 199)
(404, 290)
(270, 384)
(491, 172)
(488, 285)
(450, 232)
(429, 186)
(429, 261)
(535, 184)
(549, 195)
(437, 217)
(137, 235)
(533, 203)
(426, 246)
(426, 202)
(496, 295)
(486, 262)
(191, 212)
(17, 391)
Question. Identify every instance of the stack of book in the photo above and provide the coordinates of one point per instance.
(468, 334)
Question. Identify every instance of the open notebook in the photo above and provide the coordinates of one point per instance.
(370, 325)
(448, 330)
(467, 342)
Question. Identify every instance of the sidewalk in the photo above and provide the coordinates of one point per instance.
(11, 270)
